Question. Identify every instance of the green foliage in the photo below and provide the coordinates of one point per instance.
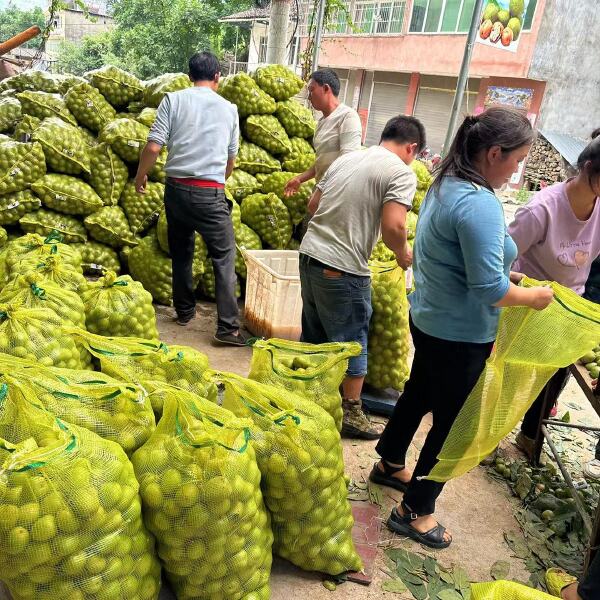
(13, 20)
(91, 52)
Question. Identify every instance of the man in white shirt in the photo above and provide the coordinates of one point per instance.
(339, 130)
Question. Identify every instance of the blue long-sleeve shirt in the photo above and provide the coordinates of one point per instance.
(462, 261)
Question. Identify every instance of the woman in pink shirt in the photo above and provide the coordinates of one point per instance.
(558, 237)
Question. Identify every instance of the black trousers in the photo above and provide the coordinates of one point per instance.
(206, 211)
(442, 376)
(589, 588)
(554, 387)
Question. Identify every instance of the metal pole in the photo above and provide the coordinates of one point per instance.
(463, 76)
(319, 33)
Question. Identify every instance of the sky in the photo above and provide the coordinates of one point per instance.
(24, 3)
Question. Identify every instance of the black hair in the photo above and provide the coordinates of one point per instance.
(497, 126)
(589, 159)
(327, 77)
(203, 66)
(404, 129)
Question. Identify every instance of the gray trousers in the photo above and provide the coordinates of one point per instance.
(206, 211)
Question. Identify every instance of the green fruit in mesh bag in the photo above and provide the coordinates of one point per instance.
(296, 119)
(299, 454)
(299, 146)
(200, 249)
(127, 138)
(267, 132)
(293, 245)
(298, 163)
(278, 81)
(89, 106)
(37, 334)
(33, 290)
(418, 200)
(142, 210)
(65, 148)
(37, 248)
(109, 225)
(245, 239)
(3, 237)
(241, 184)
(156, 88)
(269, 217)
(382, 253)
(67, 194)
(5, 138)
(26, 126)
(118, 86)
(236, 212)
(88, 137)
(58, 270)
(97, 258)
(41, 81)
(44, 222)
(20, 165)
(43, 105)
(108, 173)
(424, 178)
(389, 337)
(147, 117)
(242, 90)
(13, 206)
(260, 177)
(78, 531)
(200, 489)
(66, 81)
(411, 224)
(119, 307)
(254, 159)
(297, 203)
(158, 171)
(208, 284)
(10, 113)
(149, 265)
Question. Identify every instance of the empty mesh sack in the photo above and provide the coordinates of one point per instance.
(200, 488)
(37, 334)
(530, 347)
(148, 362)
(72, 522)
(312, 371)
(506, 590)
(299, 454)
(116, 411)
(35, 291)
(389, 334)
(119, 306)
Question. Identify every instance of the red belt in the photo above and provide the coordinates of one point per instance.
(201, 183)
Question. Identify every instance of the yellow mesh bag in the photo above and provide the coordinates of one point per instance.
(299, 454)
(147, 363)
(313, 371)
(200, 487)
(389, 335)
(37, 334)
(33, 290)
(56, 269)
(506, 590)
(114, 410)
(71, 515)
(119, 306)
(530, 347)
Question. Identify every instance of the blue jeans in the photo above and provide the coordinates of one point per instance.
(336, 307)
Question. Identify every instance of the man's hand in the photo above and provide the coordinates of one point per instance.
(292, 186)
(140, 183)
(405, 258)
(516, 277)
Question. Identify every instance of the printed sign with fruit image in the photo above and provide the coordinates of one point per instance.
(502, 23)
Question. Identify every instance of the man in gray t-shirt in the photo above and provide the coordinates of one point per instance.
(362, 193)
(200, 130)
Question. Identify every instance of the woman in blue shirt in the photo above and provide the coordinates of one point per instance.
(462, 265)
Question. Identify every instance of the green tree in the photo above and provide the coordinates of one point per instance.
(14, 20)
(91, 52)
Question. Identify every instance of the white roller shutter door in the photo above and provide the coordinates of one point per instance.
(388, 100)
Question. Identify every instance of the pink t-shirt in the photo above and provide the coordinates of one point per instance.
(553, 243)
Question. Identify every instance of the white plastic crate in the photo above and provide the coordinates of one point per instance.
(273, 299)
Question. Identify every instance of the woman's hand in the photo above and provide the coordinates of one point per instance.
(540, 297)
(292, 186)
(516, 277)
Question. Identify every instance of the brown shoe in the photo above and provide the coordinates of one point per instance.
(356, 424)
(526, 445)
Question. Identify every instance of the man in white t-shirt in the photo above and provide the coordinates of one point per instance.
(339, 130)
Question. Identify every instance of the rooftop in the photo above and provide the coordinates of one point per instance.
(254, 14)
(568, 146)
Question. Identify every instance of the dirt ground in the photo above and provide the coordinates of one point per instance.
(476, 509)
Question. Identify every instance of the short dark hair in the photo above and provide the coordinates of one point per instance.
(404, 129)
(327, 77)
(203, 66)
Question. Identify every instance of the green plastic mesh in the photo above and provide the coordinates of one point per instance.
(529, 348)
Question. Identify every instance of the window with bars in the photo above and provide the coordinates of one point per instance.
(262, 49)
(379, 17)
(452, 16)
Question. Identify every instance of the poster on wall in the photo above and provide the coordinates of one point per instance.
(501, 24)
(519, 98)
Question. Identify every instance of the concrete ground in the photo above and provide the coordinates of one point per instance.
(475, 508)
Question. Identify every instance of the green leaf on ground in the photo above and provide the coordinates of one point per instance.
(449, 595)
(500, 569)
(395, 586)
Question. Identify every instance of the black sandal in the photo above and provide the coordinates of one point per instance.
(386, 477)
(401, 524)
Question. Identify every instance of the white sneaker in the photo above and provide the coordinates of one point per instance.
(592, 469)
